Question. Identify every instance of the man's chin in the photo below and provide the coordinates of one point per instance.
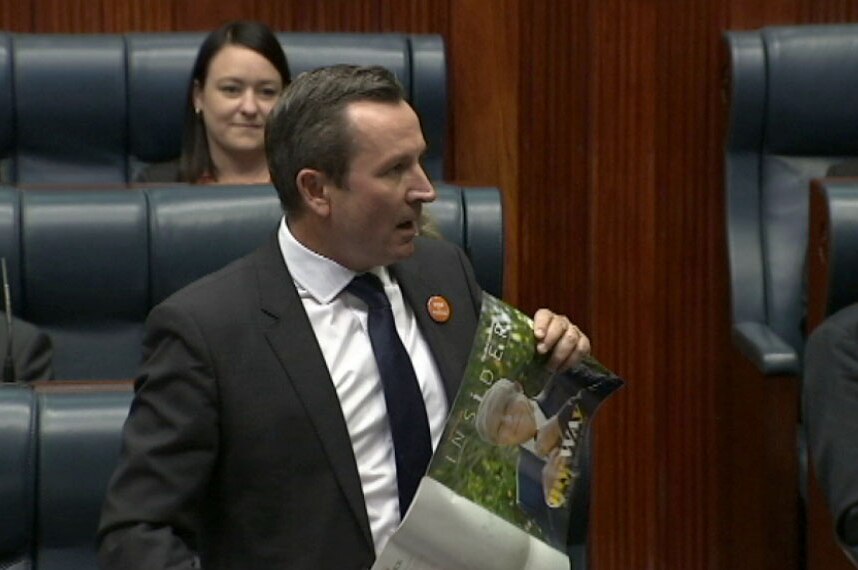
(404, 250)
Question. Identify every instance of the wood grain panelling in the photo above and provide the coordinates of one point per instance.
(68, 15)
(209, 14)
(149, 16)
(483, 46)
(334, 16)
(627, 318)
(16, 16)
(552, 220)
(416, 16)
(685, 284)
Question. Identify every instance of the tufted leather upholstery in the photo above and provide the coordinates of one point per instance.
(17, 475)
(96, 108)
(790, 120)
(87, 265)
(58, 447)
(78, 445)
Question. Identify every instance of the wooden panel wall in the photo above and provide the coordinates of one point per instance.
(602, 121)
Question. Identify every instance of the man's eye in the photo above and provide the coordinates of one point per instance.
(396, 169)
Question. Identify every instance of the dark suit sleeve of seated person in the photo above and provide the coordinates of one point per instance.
(31, 350)
(165, 172)
(846, 168)
(831, 415)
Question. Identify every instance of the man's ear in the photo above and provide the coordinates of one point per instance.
(313, 186)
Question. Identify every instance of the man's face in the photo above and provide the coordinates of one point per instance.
(518, 423)
(374, 217)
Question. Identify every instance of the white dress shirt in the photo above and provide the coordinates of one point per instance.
(339, 320)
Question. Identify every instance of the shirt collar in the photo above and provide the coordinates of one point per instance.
(315, 274)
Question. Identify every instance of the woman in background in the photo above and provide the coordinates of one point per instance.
(237, 77)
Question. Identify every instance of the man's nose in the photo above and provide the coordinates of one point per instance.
(421, 189)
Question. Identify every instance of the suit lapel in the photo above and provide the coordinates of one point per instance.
(417, 289)
(292, 339)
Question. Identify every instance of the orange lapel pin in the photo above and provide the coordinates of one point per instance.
(439, 309)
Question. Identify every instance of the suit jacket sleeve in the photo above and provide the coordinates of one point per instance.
(831, 401)
(159, 172)
(151, 512)
(847, 168)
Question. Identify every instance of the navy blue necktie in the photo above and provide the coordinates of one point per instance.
(406, 410)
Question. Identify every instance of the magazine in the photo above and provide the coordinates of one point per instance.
(500, 490)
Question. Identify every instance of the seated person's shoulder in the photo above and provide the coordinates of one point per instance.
(159, 172)
(846, 168)
(845, 321)
(32, 350)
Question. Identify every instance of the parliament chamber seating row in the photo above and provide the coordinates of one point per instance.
(81, 114)
(59, 443)
(97, 108)
(87, 265)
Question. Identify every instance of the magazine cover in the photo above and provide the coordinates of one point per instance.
(500, 491)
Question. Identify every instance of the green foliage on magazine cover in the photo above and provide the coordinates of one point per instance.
(505, 349)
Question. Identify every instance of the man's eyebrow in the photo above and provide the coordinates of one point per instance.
(399, 157)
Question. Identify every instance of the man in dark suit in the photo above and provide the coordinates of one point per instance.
(31, 351)
(259, 436)
(830, 399)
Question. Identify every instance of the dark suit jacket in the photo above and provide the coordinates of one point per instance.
(31, 350)
(830, 386)
(159, 172)
(235, 446)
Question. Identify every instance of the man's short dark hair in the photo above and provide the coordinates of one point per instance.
(308, 127)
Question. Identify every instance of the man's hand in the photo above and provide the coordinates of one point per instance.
(557, 336)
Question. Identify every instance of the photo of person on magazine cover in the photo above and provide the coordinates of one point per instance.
(547, 428)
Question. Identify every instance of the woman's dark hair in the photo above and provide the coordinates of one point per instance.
(195, 160)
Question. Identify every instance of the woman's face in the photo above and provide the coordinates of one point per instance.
(239, 92)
